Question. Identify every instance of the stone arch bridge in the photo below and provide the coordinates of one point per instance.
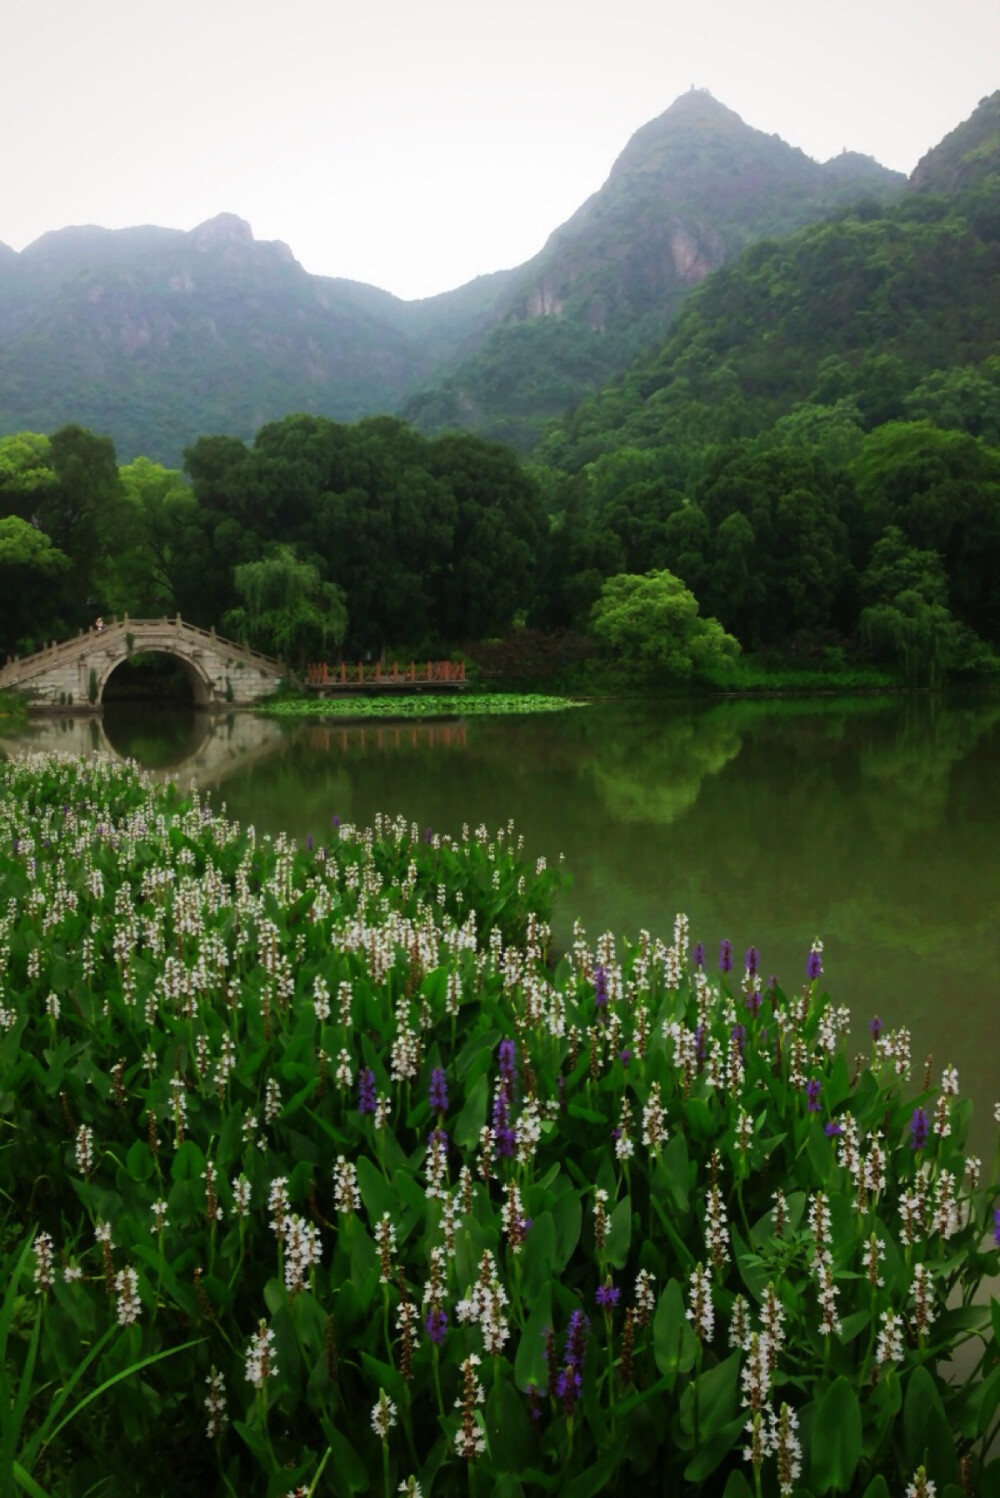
(74, 673)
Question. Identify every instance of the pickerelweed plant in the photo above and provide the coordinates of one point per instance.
(319, 1176)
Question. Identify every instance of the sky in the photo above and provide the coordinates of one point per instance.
(415, 144)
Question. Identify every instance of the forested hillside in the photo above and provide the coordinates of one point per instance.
(815, 449)
(852, 321)
(154, 336)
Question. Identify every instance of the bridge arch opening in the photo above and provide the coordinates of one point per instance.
(155, 677)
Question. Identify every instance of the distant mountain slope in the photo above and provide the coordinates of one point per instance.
(856, 311)
(968, 158)
(690, 190)
(156, 336)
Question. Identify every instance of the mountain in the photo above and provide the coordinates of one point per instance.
(156, 336)
(873, 315)
(968, 158)
(690, 191)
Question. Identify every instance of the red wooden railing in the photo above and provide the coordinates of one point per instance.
(322, 675)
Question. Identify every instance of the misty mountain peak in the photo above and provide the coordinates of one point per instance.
(222, 230)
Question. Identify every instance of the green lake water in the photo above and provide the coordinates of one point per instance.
(871, 822)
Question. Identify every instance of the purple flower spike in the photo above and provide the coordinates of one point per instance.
(335, 820)
(507, 1062)
(726, 957)
(814, 963)
(366, 1091)
(568, 1387)
(919, 1129)
(625, 1057)
(576, 1336)
(752, 959)
(436, 1323)
(739, 1034)
(833, 1129)
(753, 1003)
(607, 1296)
(428, 834)
(309, 842)
(504, 1136)
(570, 1380)
(812, 1093)
(699, 955)
(439, 1090)
(996, 1226)
(875, 1026)
(600, 989)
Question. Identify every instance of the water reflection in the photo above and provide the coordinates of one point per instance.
(194, 748)
(872, 822)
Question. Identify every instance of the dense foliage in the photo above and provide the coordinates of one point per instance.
(315, 535)
(322, 1178)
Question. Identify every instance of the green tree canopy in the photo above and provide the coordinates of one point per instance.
(25, 471)
(906, 620)
(29, 565)
(651, 623)
(942, 490)
(159, 564)
(287, 609)
(785, 568)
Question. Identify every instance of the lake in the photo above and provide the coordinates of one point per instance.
(871, 822)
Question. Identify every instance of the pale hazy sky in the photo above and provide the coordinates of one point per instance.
(415, 144)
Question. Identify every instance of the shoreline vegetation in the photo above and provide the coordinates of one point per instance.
(325, 1175)
(576, 689)
(418, 705)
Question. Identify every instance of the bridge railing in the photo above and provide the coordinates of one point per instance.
(324, 677)
(19, 668)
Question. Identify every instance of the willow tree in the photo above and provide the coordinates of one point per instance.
(287, 610)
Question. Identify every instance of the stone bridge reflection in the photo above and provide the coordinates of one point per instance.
(209, 747)
(217, 745)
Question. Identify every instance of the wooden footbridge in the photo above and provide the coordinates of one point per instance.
(376, 679)
(74, 673)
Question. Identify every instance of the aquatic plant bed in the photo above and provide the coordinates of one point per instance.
(431, 705)
(319, 1178)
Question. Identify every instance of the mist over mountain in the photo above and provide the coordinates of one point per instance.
(156, 336)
